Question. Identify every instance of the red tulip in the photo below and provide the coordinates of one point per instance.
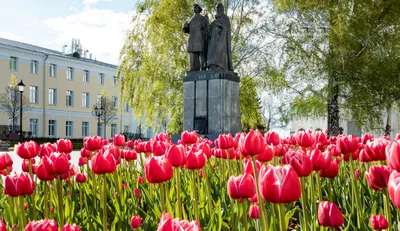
(374, 150)
(189, 137)
(394, 188)
(27, 150)
(266, 155)
(82, 161)
(378, 222)
(252, 144)
(25, 165)
(92, 143)
(347, 144)
(320, 138)
(367, 137)
(205, 147)
(137, 192)
(140, 180)
(166, 223)
(158, 169)
(105, 142)
(64, 145)
(46, 149)
(320, 160)
(19, 185)
(304, 138)
(136, 222)
(60, 162)
(279, 184)
(332, 170)
(224, 141)
(377, 177)
(300, 162)
(357, 173)
(248, 166)
(103, 163)
(164, 137)
(128, 154)
(69, 227)
(43, 174)
(80, 178)
(5, 161)
(3, 226)
(195, 159)
(114, 150)
(85, 153)
(272, 138)
(158, 148)
(254, 212)
(393, 155)
(176, 155)
(329, 214)
(241, 186)
(220, 153)
(42, 225)
(119, 140)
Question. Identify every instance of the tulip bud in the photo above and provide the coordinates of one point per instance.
(27, 150)
(69, 227)
(137, 192)
(124, 186)
(224, 141)
(272, 138)
(394, 188)
(252, 144)
(51, 210)
(92, 143)
(378, 222)
(82, 161)
(103, 162)
(357, 173)
(3, 226)
(140, 180)
(85, 153)
(254, 212)
(25, 206)
(241, 186)
(119, 140)
(158, 169)
(347, 144)
(195, 159)
(304, 139)
(116, 194)
(332, 171)
(189, 137)
(329, 214)
(136, 222)
(176, 155)
(64, 145)
(80, 178)
(377, 177)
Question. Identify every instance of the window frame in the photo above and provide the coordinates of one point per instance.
(69, 98)
(86, 128)
(85, 99)
(70, 73)
(14, 60)
(53, 66)
(86, 76)
(54, 128)
(101, 78)
(36, 94)
(34, 67)
(36, 134)
(53, 96)
(71, 127)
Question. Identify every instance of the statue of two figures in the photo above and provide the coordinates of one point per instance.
(209, 46)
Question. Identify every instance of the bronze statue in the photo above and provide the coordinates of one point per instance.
(219, 55)
(197, 28)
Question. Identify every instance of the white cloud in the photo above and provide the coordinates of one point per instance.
(102, 32)
(88, 2)
(10, 36)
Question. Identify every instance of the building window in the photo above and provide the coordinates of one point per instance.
(126, 129)
(126, 108)
(85, 77)
(101, 79)
(52, 96)
(53, 70)
(33, 127)
(34, 67)
(98, 99)
(85, 99)
(69, 98)
(33, 94)
(85, 128)
(113, 129)
(14, 63)
(114, 101)
(69, 128)
(52, 128)
(114, 81)
(70, 73)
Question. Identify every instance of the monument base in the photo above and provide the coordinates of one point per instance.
(211, 102)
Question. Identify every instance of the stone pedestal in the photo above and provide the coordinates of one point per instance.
(215, 96)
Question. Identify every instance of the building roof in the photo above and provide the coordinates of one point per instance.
(34, 48)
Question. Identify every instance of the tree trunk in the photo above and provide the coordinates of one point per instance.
(388, 121)
(333, 106)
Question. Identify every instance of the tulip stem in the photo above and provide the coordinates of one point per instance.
(12, 212)
(319, 186)
(46, 199)
(244, 215)
(355, 191)
(105, 202)
(282, 217)
(330, 189)
(162, 195)
(81, 203)
(22, 211)
(304, 204)
(33, 194)
(178, 192)
(210, 199)
(229, 162)
(263, 219)
(60, 200)
(387, 209)
(196, 209)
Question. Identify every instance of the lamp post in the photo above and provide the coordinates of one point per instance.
(99, 112)
(21, 87)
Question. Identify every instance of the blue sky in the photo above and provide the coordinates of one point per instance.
(100, 24)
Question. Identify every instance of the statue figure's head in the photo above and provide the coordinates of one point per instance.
(220, 9)
(197, 8)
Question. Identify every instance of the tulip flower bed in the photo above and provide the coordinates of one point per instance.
(303, 182)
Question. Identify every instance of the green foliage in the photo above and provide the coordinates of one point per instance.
(153, 60)
(250, 105)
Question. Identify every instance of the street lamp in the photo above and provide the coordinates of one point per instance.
(21, 87)
(99, 112)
